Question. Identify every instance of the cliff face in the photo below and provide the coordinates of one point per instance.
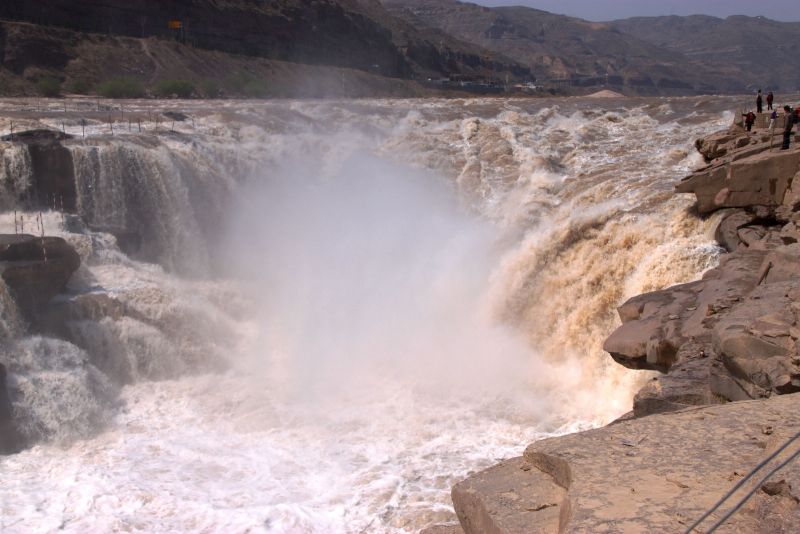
(734, 335)
(342, 33)
(30, 52)
(320, 32)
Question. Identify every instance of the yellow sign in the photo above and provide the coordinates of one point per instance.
(175, 24)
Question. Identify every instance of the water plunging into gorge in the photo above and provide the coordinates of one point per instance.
(317, 316)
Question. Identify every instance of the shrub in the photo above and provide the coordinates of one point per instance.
(48, 86)
(255, 88)
(209, 88)
(78, 87)
(121, 88)
(179, 88)
(248, 85)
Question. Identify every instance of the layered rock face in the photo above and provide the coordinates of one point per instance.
(732, 335)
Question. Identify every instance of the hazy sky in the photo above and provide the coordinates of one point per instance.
(617, 9)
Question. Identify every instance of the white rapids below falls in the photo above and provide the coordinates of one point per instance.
(373, 299)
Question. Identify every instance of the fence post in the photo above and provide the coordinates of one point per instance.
(41, 232)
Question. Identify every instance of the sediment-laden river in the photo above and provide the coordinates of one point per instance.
(334, 310)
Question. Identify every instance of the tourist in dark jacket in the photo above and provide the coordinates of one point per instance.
(759, 103)
(749, 119)
(770, 99)
(787, 130)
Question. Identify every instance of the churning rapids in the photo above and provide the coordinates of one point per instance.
(338, 309)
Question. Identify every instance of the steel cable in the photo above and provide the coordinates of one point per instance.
(739, 484)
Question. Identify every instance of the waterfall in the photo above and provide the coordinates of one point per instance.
(316, 316)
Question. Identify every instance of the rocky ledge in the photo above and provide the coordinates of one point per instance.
(732, 336)
(654, 474)
(33, 271)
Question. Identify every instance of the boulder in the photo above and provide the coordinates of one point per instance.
(35, 270)
(687, 384)
(721, 143)
(759, 179)
(727, 233)
(512, 496)
(657, 324)
(176, 116)
(757, 339)
(10, 441)
(726, 337)
(129, 241)
(788, 211)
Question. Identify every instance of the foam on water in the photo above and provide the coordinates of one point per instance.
(408, 291)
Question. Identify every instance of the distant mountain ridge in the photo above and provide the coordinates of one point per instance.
(765, 53)
(656, 55)
(403, 40)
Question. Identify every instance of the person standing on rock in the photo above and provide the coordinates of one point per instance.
(787, 130)
(749, 119)
(759, 103)
(770, 99)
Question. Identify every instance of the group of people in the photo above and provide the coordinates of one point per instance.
(760, 101)
(792, 117)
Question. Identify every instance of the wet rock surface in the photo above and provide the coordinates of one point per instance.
(35, 269)
(53, 174)
(10, 441)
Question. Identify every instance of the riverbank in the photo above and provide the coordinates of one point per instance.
(731, 336)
